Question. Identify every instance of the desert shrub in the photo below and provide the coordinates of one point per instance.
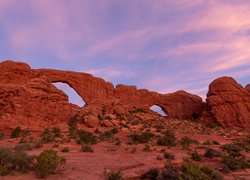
(159, 158)
(23, 147)
(57, 132)
(49, 162)
(142, 138)
(215, 142)
(47, 136)
(159, 126)
(107, 135)
(86, 148)
(187, 171)
(234, 163)
(232, 158)
(186, 141)
(1, 135)
(193, 171)
(147, 148)
(212, 125)
(196, 156)
(12, 161)
(97, 131)
(25, 133)
(170, 172)
(232, 149)
(65, 149)
(210, 153)
(168, 139)
(72, 123)
(113, 175)
(85, 137)
(153, 174)
(117, 142)
(169, 155)
(108, 118)
(16, 132)
(114, 130)
(100, 117)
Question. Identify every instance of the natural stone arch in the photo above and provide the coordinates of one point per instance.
(92, 90)
(71, 86)
(73, 96)
(160, 110)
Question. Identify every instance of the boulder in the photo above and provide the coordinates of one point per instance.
(229, 103)
(91, 121)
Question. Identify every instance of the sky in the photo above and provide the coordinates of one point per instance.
(160, 45)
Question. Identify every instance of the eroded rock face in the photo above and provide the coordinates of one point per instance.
(28, 101)
(248, 87)
(229, 103)
(28, 98)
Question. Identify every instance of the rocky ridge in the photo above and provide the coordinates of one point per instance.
(29, 99)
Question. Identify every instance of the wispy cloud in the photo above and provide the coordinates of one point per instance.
(160, 45)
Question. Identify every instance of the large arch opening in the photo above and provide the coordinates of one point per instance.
(158, 109)
(74, 98)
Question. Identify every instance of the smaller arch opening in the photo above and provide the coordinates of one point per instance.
(73, 97)
(159, 110)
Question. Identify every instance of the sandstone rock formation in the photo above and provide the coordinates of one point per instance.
(28, 101)
(248, 87)
(28, 98)
(229, 103)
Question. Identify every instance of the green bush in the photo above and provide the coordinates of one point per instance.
(73, 127)
(107, 135)
(187, 171)
(212, 125)
(169, 155)
(142, 138)
(49, 162)
(117, 142)
(192, 171)
(47, 136)
(234, 163)
(186, 141)
(108, 118)
(232, 149)
(170, 172)
(1, 135)
(168, 139)
(196, 156)
(215, 142)
(153, 174)
(113, 175)
(16, 132)
(86, 148)
(85, 137)
(210, 153)
(100, 117)
(57, 132)
(12, 161)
